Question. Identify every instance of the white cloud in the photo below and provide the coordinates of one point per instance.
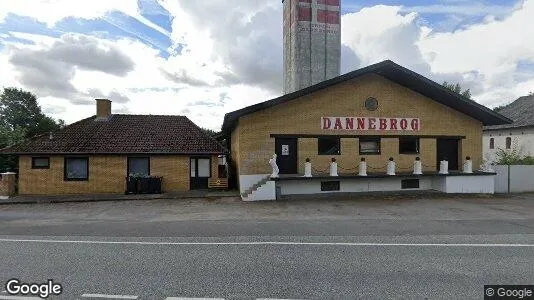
(231, 55)
(493, 49)
(464, 9)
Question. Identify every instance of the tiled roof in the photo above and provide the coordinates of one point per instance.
(124, 134)
(521, 111)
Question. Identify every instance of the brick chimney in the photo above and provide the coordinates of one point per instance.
(103, 109)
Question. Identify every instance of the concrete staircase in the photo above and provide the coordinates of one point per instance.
(262, 190)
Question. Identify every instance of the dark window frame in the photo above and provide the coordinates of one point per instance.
(65, 177)
(508, 143)
(330, 186)
(492, 143)
(328, 138)
(370, 139)
(196, 165)
(410, 184)
(417, 145)
(40, 167)
(137, 157)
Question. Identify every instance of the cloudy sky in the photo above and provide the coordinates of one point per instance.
(203, 58)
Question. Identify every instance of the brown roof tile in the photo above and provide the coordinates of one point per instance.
(124, 134)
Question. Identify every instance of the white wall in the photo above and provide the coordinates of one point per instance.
(247, 181)
(470, 184)
(501, 180)
(522, 137)
(521, 179)
(264, 192)
(447, 184)
(307, 187)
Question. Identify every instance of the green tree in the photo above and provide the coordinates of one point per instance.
(21, 117)
(210, 132)
(457, 88)
(498, 108)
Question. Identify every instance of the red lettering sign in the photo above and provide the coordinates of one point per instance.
(372, 124)
(415, 124)
(338, 124)
(350, 123)
(361, 123)
(393, 124)
(383, 124)
(327, 123)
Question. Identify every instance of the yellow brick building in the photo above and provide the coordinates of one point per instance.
(97, 154)
(312, 124)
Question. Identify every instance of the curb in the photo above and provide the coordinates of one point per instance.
(46, 201)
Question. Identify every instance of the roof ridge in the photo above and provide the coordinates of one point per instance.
(149, 115)
(40, 135)
(390, 71)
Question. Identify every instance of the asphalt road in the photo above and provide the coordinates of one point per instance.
(386, 251)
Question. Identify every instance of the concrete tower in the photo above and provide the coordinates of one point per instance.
(312, 42)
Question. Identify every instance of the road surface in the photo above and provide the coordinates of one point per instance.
(396, 249)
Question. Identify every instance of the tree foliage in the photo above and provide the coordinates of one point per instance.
(21, 117)
(209, 132)
(498, 108)
(457, 88)
(513, 156)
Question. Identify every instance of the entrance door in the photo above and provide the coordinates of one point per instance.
(448, 149)
(200, 173)
(286, 152)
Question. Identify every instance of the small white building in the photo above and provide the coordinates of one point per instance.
(516, 136)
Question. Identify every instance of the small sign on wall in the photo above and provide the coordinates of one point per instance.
(285, 149)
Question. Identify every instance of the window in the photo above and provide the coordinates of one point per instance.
(76, 168)
(204, 168)
(410, 184)
(508, 143)
(329, 186)
(40, 162)
(369, 146)
(408, 145)
(200, 167)
(139, 166)
(329, 146)
(492, 143)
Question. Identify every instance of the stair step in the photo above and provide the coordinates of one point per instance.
(255, 187)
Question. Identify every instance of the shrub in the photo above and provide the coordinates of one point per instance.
(512, 157)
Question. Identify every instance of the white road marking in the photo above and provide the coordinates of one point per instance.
(185, 298)
(109, 296)
(19, 298)
(266, 243)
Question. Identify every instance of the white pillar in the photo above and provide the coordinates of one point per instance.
(333, 168)
(417, 168)
(274, 166)
(363, 169)
(307, 169)
(391, 168)
(468, 165)
(443, 167)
